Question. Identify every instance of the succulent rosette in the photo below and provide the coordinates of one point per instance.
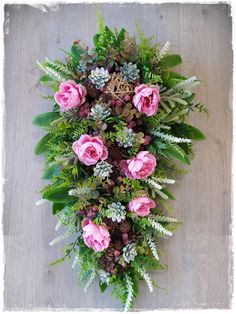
(116, 129)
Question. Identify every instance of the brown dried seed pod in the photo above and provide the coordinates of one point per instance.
(125, 226)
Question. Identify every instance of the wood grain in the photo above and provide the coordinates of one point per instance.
(199, 254)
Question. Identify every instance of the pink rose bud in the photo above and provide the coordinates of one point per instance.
(111, 183)
(117, 253)
(139, 167)
(90, 149)
(119, 102)
(131, 124)
(119, 179)
(125, 236)
(141, 205)
(147, 139)
(95, 236)
(146, 99)
(70, 95)
(113, 102)
(126, 97)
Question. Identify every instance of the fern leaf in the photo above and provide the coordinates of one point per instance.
(54, 75)
(146, 277)
(170, 138)
(163, 51)
(156, 225)
(130, 293)
(153, 248)
(164, 180)
(75, 261)
(62, 237)
(153, 184)
(60, 68)
(90, 280)
(188, 84)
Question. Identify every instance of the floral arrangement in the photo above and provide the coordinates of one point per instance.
(114, 140)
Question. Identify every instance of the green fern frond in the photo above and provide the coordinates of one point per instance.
(130, 293)
(54, 75)
(90, 279)
(152, 245)
(170, 138)
(146, 277)
(157, 226)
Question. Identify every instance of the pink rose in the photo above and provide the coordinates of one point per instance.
(141, 205)
(95, 236)
(90, 149)
(70, 95)
(139, 167)
(146, 99)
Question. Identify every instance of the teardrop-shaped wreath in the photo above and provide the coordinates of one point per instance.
(117, 127)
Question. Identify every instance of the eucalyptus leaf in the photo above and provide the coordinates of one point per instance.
(171, 61)
(103, 286)
(41, 147)
(186, 130)
(49, 172)
(45, 119)
(57, 207)
(176, 153)
(59, 195)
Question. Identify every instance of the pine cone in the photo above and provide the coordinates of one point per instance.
(125, 226)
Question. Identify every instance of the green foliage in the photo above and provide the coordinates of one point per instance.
(50, 171)
(183, 129)
(45, 119)
(105, 40)
(147, 52)
(59, 195)
(41, 147)
(57, 207)
(170, 61)
(169, 150)
(77, 191)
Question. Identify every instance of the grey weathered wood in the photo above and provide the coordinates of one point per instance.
(199, 253)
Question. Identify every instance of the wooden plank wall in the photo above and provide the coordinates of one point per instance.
(199, 253)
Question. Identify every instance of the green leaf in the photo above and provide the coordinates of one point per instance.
(45, 119)
(96, 39)
(170, 195)
(57, 207)
(45, 78)
(103, 286)
(49, 172)
(57, 261)
(59, 195)
(174, 75)
(183, 129)
(41, 147)
(171, 61)
(176, 153)
(121, 36)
